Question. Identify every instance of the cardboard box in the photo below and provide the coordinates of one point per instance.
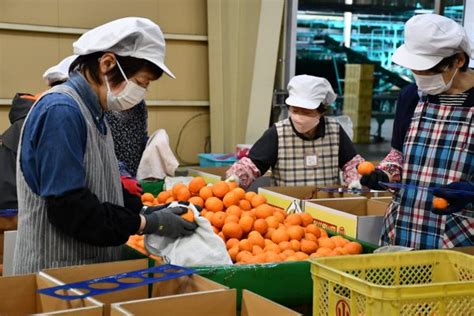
(286, 283)
(185, 284)
(215, 174)
(468, 250)
(2, 237)
(19, 297)
(218, 302)
(283, 197)
(356, 217)
(210, 174)
(6, 223)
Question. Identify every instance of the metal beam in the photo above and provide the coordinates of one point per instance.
(290, 42)
(356, 57)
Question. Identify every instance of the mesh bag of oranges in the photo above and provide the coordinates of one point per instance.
(203, 247)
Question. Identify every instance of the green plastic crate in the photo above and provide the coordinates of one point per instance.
(287, 283)
(152, 186)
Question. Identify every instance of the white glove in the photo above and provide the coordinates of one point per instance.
(355, 185)
(232, 178)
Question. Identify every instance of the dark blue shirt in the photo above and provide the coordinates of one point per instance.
(406, 104)
(54, 140)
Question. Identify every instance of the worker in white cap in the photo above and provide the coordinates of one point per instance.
(433, 139)
(59, 73)
(129, 128)
(71, 204)
(21, 104)
(308, 148)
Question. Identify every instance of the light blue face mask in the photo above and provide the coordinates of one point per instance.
(130, 96)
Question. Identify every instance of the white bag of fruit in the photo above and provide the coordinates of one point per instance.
(203, 247)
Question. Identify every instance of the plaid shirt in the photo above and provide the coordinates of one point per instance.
(290, 169)
(438, 149)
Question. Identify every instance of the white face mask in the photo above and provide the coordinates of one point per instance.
(433, 84)
(304, 123)
(130, 96)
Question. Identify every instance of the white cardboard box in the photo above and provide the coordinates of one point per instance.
(210, 174)
(357, 217)
(283, 197)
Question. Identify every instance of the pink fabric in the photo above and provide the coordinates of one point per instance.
(392, 165)
(349, 170)
(245, 170)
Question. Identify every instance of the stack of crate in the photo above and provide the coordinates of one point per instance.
(358, 86)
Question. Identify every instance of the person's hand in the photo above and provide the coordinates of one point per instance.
(354, 185)
(131, 185)
(372, 179)
(232, 178)
(457, 194)
(167, 221)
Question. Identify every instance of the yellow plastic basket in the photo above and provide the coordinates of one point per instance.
(428, 282)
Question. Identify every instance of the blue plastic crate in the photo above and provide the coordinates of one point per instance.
(216, 160)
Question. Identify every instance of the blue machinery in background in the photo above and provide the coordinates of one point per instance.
(374, 38)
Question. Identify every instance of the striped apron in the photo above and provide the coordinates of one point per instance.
(438, 150)
(290, 168)
(39, 244)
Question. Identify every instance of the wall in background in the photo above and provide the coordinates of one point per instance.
(35, 35)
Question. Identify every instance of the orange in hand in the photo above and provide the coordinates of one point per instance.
(440, 203)
(365, 168)
(189, 216)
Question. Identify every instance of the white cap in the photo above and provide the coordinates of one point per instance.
(309, 92)
(428, 39)
(134, 37)
(59, 72)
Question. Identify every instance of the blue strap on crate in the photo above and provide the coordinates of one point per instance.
(398, 186)
(344, 190)
(165, 272)
(9, 212)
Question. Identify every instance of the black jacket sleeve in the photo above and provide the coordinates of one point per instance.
(406, 104)
(347, 150)
(264, 153)
(80, 215)
(131, 201)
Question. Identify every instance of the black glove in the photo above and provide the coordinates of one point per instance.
(372, 180)
(457, 200)
(131, 201)
(166, 221)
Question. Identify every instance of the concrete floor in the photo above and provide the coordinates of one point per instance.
(377, 151)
